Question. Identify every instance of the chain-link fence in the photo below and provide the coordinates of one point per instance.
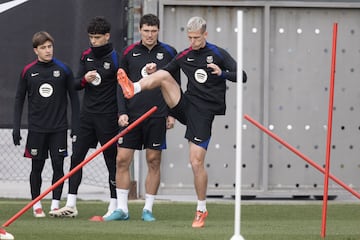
(15, 168)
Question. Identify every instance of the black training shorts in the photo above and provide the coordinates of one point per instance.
(150, 134)
(39, 144)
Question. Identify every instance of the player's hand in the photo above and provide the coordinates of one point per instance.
(150, 68)
(90, 76)
(123, 120)
(16, 137)
(215, 69)
(170, 122)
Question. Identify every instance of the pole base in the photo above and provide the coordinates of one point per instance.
(237, 237)
(5, 235)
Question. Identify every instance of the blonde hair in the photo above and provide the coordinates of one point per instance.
(195, 24)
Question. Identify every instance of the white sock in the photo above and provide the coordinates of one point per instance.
(122, 199)
(112, 204)
(137, 87)
(201, 205)
(37, 205)
(71, 200)
(54, 204)
(149, 201)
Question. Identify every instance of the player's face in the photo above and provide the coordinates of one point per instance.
(45, 51)
(97, 40)
(197, 39)
(149, 35)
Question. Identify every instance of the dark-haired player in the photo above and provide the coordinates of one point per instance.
(138, 60)
(98, 118)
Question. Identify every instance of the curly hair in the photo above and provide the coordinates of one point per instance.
(99, 25)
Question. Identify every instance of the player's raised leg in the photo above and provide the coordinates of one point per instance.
(170, 89)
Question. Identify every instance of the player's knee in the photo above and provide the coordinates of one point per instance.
(122, 164)
(154, 163)
(197, 163)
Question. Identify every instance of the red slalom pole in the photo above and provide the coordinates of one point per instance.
(297, 152)
(77, 168)
(329, 131)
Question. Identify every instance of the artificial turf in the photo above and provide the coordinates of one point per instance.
(258, 222)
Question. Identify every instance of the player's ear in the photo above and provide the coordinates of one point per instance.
(205, 34)
(107, 36)
(36, 51)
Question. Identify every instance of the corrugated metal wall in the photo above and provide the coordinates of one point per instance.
(287, 55)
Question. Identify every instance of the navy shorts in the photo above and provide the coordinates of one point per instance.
(150, 134)
(39, 144)
(198, 124)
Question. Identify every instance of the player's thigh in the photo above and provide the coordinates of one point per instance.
(133, 139)
(37, 146)
(106, 127)
(199, 127)
(58, 144)
(154, 133)
(86, 135)
(171, 92)
(180, 110)
(124, 157)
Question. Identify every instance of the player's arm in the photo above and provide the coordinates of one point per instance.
(80, 81)
(18, 108)
(75, 104)
(229, 70)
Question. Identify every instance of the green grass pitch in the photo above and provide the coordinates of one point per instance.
(258, 222)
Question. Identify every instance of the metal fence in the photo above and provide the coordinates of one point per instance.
(16, 168)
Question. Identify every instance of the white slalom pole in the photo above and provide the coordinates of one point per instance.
(239, 117)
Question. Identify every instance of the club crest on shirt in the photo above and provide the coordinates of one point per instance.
(56, 73)
(106, 65)
(200, 75)
(160, 56)
(209, 59)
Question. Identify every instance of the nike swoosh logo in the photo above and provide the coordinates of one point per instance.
(89, 59)
(34, 74)
(62, 150)
(11, 4)
(190, 59)
(197, 139)
(156, 144)
(136, 54)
